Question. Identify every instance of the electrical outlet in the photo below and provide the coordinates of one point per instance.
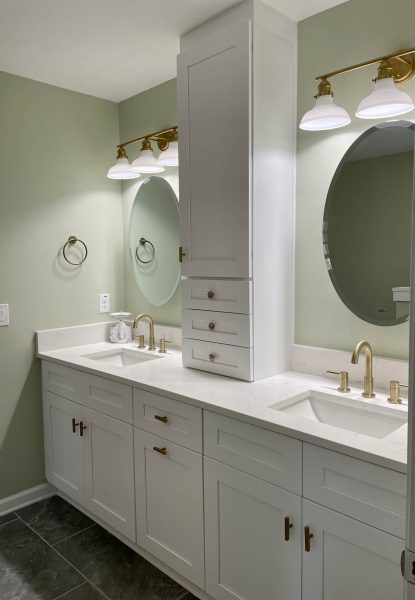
(104, 303)
(4, 315)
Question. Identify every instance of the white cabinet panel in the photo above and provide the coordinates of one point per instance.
(173, 420)
(169, 495)
(109, 471)
(223, 359)
(265, 454)
(349, 560)
(109, 397)
(247, 555)
(62, 381)
(217, 294)
(63, 447)
(214, 91)
(366, 492)
(225, 328)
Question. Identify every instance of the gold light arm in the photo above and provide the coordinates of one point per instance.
(163, 136)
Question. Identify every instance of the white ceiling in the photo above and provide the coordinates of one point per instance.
(110, 49)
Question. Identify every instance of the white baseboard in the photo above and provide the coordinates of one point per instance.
(34, 494)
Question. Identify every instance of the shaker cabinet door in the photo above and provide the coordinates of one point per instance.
(214, 88)
(64, 454)
(348, 559)
(252, 553)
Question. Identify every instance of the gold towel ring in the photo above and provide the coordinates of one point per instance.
(142, 242)
(72, 239)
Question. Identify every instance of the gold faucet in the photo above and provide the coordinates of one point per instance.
(368, 380)
(144, 317)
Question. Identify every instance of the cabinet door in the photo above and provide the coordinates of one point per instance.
(63, 446)
(169, 493)
(109, 471)
(214, 83)
(348, 559)
(247, 555)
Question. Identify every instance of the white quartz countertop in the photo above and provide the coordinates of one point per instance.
(246, 401)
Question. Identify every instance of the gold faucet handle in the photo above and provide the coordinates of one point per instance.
(162, 345)
(344, 380)
(394, 387)
(140, 340)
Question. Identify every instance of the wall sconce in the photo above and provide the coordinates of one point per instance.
(385, 101)
(146, 162)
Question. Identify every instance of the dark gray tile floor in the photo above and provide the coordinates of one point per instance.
(50, 550)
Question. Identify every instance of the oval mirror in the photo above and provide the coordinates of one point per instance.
(367, 224)
(154, 239)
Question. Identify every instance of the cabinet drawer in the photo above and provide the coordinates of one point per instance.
(217, 294)
(173, 420)
(353, 487)
(109, 397)
(225, 328)
(223, 359)
(265, 454)
(62, 381)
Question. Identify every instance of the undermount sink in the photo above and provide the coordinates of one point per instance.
(345, 413)
(121, 357)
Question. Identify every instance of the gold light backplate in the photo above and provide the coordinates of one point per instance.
(403, 68)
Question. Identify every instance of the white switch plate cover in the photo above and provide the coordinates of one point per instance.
(104, 303)
(4, 315)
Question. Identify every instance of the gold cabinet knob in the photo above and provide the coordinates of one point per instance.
(212, 325)
(307, 538)
(160, 450)
(74, 425)
(287, 527)
(163, 419)
(82, 428)
(210, 294)
(212, 356)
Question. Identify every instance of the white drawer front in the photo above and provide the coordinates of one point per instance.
(109, 397)
(217, 294)
(265, 454)
(225, 328)
(232, 361)
(366, 492)
(62, 381)
(175, 421)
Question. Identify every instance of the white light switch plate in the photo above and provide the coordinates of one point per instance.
(4, 315)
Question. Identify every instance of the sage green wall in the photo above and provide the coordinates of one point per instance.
(344, 35)
(55, 149)
(149, 111)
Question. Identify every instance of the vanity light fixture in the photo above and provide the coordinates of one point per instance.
(146, 162)
(385, 101)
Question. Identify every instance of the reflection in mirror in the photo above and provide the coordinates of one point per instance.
(367, 224)
(154, 240)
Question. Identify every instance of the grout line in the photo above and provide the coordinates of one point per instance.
(11, 521)
(66, 560)
(69, 591)
(70, 536)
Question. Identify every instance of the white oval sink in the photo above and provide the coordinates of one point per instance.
(121, 357)
(345, 413)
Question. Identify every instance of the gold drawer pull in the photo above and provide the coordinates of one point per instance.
(181, 253)
(82, 428)
(162, 419)
(307, 538)
(74, 425)
(160, 450)
(287, 527)
(212, 325)
(212, 356)
(210, 294)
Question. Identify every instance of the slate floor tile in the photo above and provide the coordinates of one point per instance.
(29, 568)
(115, 569)
(54, 519)
(83, 592)
(7, 518)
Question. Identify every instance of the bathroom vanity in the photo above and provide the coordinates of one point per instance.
(227, 486)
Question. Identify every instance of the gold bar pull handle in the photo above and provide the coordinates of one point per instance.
(181, 254)
(161, 418)
(160, 450)
(307, 538)
(287, 527)
(74, 425)
(82, 428)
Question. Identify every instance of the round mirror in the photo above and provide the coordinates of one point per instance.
(154, 239)
(367, 224)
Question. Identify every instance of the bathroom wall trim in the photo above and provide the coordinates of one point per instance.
(34, 494)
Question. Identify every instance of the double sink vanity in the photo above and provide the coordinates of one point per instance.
(282, 488)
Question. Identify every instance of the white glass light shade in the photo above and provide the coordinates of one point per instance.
(122, 170)
(147, 163)
(170, 157)
(385, 101)
(325, 115)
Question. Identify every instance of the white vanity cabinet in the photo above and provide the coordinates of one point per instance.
(236, 143)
